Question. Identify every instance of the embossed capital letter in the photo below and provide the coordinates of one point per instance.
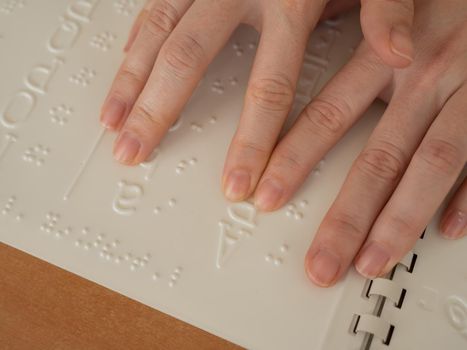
(18, 109)
(39, 77)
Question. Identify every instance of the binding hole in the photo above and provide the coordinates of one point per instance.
(423, 234)
(401, 299)
(390, 333)
(412, 263)
(356, 319)
(367, 294)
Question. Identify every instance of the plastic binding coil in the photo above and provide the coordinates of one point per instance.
(388, 293)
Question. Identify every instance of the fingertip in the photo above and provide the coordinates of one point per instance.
(453, 224)
(237, 184)
(322, 267)
(269, 195)
(112, 113)
(127, 148)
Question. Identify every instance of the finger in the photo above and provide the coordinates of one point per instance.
(182, 61)
(137, 24)
(432, 172)
(139, 61)
(454, 222)
(387, 26)
(372, 178)
(268, 100)
(320, 126)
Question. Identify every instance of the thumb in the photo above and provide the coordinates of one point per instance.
(387, 25)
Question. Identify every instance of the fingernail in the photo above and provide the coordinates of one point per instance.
(372, 260)
(323, 268)
(454, 224)
(237, 185)
(401, 43)
(268, 195)
(112, 113)
(127, 148)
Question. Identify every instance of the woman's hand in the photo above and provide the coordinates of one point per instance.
(173, 41)
(410, 162)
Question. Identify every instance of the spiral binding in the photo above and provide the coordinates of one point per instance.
(387, 291)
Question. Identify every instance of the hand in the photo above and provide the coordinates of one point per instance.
(173, 41)
(411, 161)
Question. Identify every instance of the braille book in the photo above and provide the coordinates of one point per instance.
(162, 232)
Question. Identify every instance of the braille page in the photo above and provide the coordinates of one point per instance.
(162, 232)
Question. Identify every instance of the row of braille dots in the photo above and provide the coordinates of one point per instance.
(293, 212)
(125, 7)
(106, 251)
(36, 154)
(239, 50)
(51, 225)
(218, 87)
(9, 6)
(317, 169)
(277, 260)
(171, 203)
(9, 207)
(182, 165)
(84, 77)
(198, 127)
(175, 276)
(102, 41)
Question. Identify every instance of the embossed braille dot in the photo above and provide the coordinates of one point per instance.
(172, 202)
(155, 276)
(196, 127)
(284, 248)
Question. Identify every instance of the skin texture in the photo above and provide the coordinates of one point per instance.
(419, 144)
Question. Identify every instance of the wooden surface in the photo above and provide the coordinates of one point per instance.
(46, 308)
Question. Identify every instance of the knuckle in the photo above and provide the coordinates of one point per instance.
(286, 158)
(403, 227)
(183, 55)
(251, 148)
(384, 162)
(145, 117)
(162, 19)
(442, 156)
(130, 75)
(345, 226)
(272, 94)
(326, 117)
